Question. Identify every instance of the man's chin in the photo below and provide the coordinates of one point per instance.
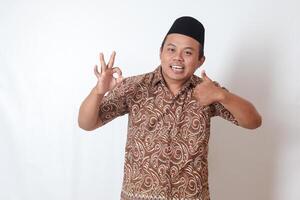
(178, 80)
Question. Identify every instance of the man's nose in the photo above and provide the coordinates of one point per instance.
(178, 56)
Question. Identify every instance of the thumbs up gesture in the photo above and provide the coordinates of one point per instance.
(207, 92)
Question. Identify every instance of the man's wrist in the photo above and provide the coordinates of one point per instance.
(222, 95)
(96, 92)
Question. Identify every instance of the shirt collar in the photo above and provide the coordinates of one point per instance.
(157, 76)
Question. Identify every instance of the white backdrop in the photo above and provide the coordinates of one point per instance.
(47, 53)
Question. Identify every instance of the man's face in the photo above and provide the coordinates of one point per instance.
(179, 58)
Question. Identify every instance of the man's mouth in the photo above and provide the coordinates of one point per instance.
(177, 68)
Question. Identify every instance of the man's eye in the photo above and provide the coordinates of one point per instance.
(188, 53)
(171, 49)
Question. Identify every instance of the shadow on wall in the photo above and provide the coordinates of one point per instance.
(243, 162)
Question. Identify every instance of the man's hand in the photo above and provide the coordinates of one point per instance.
(88, 118)
(207, 92)
(106, 79)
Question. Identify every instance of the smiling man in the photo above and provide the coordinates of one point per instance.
(169, 117)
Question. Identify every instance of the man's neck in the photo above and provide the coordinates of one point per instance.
(174, 87)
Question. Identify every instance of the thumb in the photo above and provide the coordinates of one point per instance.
(204, 76)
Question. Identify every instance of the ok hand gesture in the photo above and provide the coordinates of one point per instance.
(106, 79)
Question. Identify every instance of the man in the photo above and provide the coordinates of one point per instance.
(169, 117)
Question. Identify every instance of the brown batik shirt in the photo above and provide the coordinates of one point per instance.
(167, 139)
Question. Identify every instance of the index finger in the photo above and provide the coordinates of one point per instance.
(112, 60)
(117, 70)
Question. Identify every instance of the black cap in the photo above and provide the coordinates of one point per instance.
(188, 26)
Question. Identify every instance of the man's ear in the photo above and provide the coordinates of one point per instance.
(201, 61)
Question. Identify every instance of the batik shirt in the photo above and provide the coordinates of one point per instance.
(167, 138)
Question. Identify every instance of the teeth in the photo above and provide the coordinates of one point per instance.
(177, 67)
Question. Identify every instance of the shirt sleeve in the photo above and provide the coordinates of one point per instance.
(115, 104)
(218, 109)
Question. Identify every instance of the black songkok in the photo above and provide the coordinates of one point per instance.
(188, 26)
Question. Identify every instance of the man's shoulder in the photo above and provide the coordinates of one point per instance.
(195, 79)
(140, 79)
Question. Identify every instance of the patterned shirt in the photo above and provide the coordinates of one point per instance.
(167, 140)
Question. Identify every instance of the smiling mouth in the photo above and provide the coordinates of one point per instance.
(177, 68)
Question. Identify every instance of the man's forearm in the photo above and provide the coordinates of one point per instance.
(88, 118)
(244, 112)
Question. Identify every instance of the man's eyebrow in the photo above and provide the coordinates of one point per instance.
(189, 48)
(171, 44)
